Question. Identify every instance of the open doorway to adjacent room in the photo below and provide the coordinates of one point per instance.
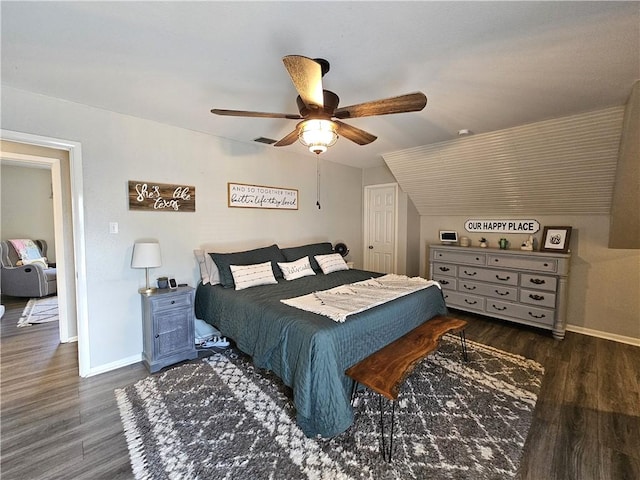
(63, 160)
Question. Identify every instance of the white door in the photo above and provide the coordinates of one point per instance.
(380, 228)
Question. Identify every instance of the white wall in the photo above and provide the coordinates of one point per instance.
(117, 148)
(27, 206)
(604, 284)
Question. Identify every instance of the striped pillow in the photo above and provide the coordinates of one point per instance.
(245, 276)
(331, 263)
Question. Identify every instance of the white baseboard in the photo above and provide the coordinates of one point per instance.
(125, 362)
(606, 335)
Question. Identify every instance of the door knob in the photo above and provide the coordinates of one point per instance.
(370, 247)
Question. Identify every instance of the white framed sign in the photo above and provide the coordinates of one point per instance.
(502, 226)
(242, 195)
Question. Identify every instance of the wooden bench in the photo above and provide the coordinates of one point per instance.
(385, 370)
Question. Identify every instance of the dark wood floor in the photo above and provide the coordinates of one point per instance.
(56, 425)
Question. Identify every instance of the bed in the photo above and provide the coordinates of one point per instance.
(308, 351)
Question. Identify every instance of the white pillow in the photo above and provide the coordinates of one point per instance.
(298, 269)
(208, 268)
(245, 276)
(41, 261)
(331, 263)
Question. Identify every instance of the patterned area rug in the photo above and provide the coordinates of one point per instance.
(39, 310)
(221, 418)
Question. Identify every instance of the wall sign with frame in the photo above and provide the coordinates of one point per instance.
(260, 196)
(555, 239)
(161, 197)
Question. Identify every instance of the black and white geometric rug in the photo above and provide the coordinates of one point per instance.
(220, 418)
(39, 310)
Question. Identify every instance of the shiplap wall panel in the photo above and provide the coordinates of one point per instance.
(564, 166)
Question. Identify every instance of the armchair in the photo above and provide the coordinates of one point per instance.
(32, 280)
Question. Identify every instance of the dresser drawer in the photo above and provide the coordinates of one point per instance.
(171, 301)
(537, 297)
(523, 263)
(537, 315)
(486, 275)
(489, 290)
(445, 269)
(464, 301)
(449, 283)
(538, 281)
(471, 258)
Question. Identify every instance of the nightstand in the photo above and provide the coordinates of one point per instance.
(168, 323)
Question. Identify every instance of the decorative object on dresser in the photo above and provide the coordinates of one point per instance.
(520, 286)
(168, 327)
(555, 239)
(448, 237)
(146, 255)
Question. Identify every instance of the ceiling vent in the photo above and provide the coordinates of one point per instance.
(268, 141)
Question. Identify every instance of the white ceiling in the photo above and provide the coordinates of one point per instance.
(484, 66)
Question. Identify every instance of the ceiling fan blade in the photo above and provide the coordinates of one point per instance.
(411, 102)
(306, 75)
(243, 113)
(354, 134)
(288, 140)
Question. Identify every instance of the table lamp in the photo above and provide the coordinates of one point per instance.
(146, 255)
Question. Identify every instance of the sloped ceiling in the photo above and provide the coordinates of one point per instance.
(561, 166)
(484, 66)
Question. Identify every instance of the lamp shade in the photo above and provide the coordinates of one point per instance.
(146, 255)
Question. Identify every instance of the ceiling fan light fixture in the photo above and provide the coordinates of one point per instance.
(318, 134)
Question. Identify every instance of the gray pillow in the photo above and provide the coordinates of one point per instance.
(248, 257)
(310, 250)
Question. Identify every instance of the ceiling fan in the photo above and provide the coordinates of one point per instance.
(321, 118)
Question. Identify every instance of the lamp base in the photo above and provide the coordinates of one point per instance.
(147, 290)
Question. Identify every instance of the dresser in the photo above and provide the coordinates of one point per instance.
(168, 322)
(516, 285)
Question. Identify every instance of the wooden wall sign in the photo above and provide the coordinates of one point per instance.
(259, 196)
(161, 197)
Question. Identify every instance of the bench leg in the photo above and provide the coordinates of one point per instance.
(354, 392)
(463, 342)
(386, 452)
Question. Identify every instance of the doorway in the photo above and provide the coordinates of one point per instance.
(68, 229)
(380, 227)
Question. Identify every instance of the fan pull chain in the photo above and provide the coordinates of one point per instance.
(318, 182)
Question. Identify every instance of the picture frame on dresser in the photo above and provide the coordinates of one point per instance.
(555, 239)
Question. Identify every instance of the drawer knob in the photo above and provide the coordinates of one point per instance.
(505, 279)
(444, 269)
(499, 308)
(470, 303)
(472, 287)
(501, 293)
(537, 281)
(542, 315)
(444, 282)
(471, 274)
(172, 302)
(536, 297)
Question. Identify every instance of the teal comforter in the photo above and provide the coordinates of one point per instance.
(310, 352)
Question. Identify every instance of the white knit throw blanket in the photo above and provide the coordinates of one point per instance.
(340, 302)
